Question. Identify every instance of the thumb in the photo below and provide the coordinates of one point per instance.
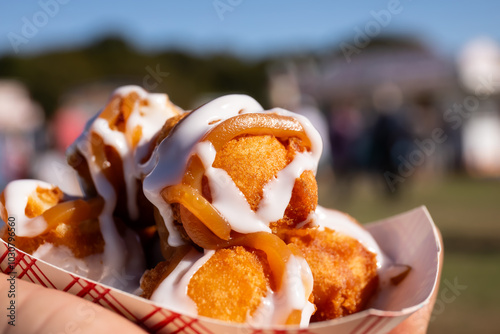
(42, 310)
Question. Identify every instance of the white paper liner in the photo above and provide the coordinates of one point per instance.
(410, 238)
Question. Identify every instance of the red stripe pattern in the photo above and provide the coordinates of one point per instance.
(151, 317)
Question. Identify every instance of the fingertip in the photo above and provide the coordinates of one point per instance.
(43, 310)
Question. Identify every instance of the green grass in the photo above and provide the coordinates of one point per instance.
(464, 209)
(476, 308)
(459, 206)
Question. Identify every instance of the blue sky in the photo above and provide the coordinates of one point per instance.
(248, 27)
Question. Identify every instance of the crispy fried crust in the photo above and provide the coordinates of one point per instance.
(152, 278)
(303, 201)
(344, 271)
(82, 238)
(41, 200)
(252, 161)
(167, 128)
(117, 113)
(162, 134)
(231, 284)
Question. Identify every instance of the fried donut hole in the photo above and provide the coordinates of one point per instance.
(252, 149)
(253, 161)
(107, 157)
(72, 224)
(235, 280)
(344, 271)
(229, 286)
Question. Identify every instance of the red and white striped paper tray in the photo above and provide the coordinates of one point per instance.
(409, 238)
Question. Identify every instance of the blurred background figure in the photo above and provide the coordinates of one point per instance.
(479, 71)
(346, 139)
(21, 121)
(425, 116)
(285, 92)
(50, 165)
(308, 107)
(77, 106)
(481, 142)
(391, 137)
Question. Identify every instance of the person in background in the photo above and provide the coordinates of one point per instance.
(51, 166)
(346, 131)
(309, 108)
(21, 119)
(391, 139)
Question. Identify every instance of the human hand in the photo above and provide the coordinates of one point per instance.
(41, 310)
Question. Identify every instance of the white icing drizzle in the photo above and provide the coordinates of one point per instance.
(124, 275)
(386, 267)
(169, 160)
(150, 118)
(343, 223)
(172, 291)
(232, 204)
(115, 248)
(226, 197)
(311, 132)
(167, 166)
(128, 277)
(277, 192)
(294, 294)
(62, 257)
(16, 199)
(275, 307)
(297, 285)
(93, 266)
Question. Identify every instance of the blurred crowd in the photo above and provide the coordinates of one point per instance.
(400, 113)
(397, 113)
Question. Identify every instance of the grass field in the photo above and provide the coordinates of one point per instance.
(476, 308)
(467, 211)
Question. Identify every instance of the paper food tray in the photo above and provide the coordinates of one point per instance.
(409, 238)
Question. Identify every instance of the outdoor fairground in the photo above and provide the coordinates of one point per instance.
(467, 212)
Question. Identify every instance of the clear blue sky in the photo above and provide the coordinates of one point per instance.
(250, 27)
